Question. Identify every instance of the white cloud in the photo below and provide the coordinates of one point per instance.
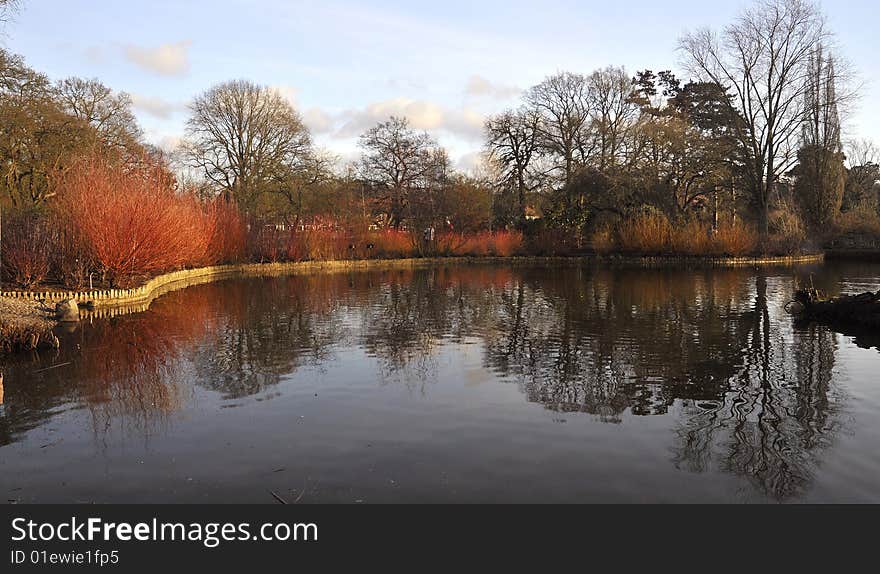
(167, 59)
(167, 141)
(422, 115)
(289, 93)
(480, 86)
(155, 106)
(471, 162)
(318, 121)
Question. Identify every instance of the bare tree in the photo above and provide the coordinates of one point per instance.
(310, 171)
(512, 140)
(241, 136)
(561, 101)
(108, 112)
(863, 176)
(7, 9)
(862, 152)
(821, 126)
(613, 113)
(396, 162)
(763, 57)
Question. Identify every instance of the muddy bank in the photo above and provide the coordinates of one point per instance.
(25, 324)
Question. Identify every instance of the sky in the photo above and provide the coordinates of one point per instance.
(346, 65)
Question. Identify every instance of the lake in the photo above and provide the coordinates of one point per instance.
(455, 383)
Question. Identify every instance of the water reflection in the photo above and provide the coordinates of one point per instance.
(747, 392)
(778, 411)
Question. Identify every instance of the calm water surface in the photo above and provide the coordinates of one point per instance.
(455, 384)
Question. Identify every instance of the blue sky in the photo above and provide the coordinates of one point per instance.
(346, 65)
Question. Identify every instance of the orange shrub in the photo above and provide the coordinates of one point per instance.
(477, 245)
(647, 233)
(494, 244)
(735, 240)
(324, 245)
(133, 223)
(389, 244)
(602, 240)
(450, 244)
(72, 263)
(505, 243)
(691, 238)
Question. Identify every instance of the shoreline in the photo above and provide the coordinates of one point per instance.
(26, 320)
(25, 325)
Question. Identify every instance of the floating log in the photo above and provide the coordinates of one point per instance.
(860, 311)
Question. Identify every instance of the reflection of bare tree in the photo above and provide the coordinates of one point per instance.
(266, 333)
(603, 342)
(778, 414)
(405, 321)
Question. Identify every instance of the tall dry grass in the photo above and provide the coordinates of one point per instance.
(653, 234)
(735, 240)
(645, 234)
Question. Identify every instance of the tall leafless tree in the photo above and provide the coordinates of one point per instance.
(396, 162)
(7, 8)
(512, 140)
(108, 112)
(821, 175)
(763, 58)
(241, 136)
(561, 102)
(612, 112)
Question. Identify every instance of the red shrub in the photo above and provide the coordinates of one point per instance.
(389, 244)
(72, 262)
(325, 245)
(499, 243)
(133, 223)
(228, 243)
(505, 243)
(266, 244)
(449, 244)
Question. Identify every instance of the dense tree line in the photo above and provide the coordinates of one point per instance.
(750, 142)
